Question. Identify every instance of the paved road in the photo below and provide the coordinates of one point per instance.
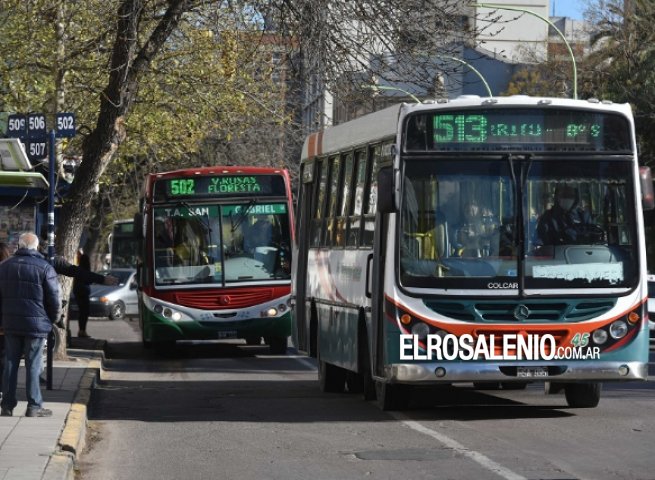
(231, 411)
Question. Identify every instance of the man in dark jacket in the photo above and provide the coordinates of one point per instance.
(29, 305)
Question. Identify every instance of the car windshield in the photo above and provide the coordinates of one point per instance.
(122, 275)
(463, 224)
(217, 244)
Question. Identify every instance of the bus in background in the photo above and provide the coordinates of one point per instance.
(216, 258)
(419, 260)
(123, 245)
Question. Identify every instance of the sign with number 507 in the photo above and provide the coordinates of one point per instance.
(65, 124)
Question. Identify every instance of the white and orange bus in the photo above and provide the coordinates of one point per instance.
(419, 260)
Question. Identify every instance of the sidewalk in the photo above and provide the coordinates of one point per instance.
(47, 448)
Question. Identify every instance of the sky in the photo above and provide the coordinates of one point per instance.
(567, 8)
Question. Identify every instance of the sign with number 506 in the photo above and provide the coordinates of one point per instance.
(65, 125)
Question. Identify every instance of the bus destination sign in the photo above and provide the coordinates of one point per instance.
(221, 186)
(514, 129)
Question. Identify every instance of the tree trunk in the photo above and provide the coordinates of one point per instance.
(99, 147)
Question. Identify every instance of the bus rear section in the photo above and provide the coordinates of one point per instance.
(508, 249)
(217, 257)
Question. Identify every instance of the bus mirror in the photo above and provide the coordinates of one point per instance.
(647, 195)
(385, 190)
(138, 225)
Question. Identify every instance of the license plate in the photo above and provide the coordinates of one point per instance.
(531, 372)
(227, 334)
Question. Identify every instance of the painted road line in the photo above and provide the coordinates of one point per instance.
(477, 457)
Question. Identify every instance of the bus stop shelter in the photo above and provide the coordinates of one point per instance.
(23, 193)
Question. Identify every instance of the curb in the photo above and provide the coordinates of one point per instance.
(72, 439)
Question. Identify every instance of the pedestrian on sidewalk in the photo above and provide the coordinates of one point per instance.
(82, 292)
(5, 253)
(29, 305)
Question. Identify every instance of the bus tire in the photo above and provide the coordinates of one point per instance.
(487, 385)
(253, 340)
(354, 382)
(331, 379)
(165, 349)
(277, 345)
(582, 395)
(514, 385)
(392, 397)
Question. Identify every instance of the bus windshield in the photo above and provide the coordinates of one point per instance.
(218, 244)
(538, 223)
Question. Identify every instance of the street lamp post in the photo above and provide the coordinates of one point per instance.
(473, 69)
(541, 17)
(388, 87)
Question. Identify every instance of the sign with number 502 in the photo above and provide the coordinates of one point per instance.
(65, 125)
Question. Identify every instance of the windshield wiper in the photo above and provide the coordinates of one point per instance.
(200, 218)
(242, 216)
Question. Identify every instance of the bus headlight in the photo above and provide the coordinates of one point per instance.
(599, 336)
(158, 308)
(618, 329)
(269, 312)
(421, 330)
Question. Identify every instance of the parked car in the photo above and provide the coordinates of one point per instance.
(112, 301)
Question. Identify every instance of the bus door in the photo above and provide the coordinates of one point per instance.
(375, 271)
(306, 341)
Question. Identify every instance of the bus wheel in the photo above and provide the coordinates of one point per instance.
(277, 345)
(582, 395)
(354, 382)
(252, 340)
(392, 397)
(332, 379)
(486, 385)
(514, 385)
(165, 349)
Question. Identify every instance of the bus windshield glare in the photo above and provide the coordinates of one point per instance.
(217, 244)
(462, 226)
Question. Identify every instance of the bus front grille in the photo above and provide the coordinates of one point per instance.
(521, 311)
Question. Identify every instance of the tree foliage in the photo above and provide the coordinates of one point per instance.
(622, 65)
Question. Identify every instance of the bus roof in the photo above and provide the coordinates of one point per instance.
(383, 124)
(360, 131)
(218, 170)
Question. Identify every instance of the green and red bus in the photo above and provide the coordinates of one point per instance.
(216, 256)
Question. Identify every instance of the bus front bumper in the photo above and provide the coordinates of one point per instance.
(443, 372)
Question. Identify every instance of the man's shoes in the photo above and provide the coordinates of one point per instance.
(5, 412)
(38, 412)
(82, 334)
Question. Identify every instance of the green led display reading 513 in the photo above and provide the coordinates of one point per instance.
(479, 128)
(460, 128)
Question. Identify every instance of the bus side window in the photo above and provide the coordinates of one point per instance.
(372, 198)
(344, 202)
(317, 226)
(357, 205)
(335, 180)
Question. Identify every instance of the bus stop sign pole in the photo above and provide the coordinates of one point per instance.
(52, 165)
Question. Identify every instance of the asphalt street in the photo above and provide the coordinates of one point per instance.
(226, 410)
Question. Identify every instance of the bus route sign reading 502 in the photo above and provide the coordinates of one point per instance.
(222, 185)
